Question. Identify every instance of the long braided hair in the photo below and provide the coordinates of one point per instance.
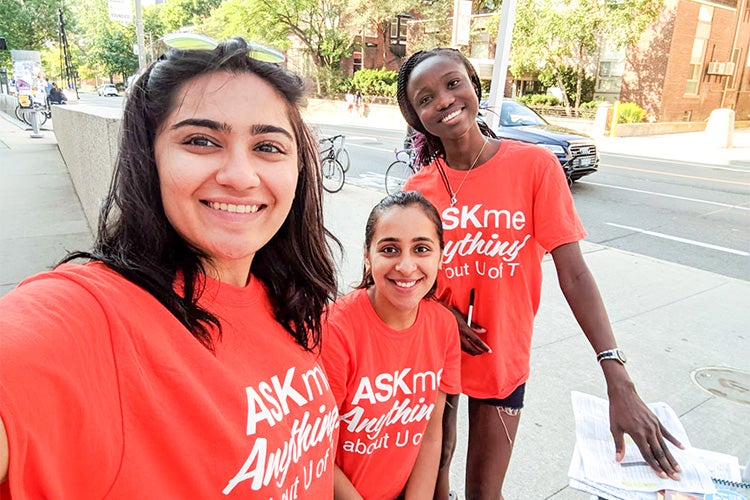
(430, 146)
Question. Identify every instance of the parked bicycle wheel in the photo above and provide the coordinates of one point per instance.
(396, 175)
(24, 115)
(333, 175)
(342, 155)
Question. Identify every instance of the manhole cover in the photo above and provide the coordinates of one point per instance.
(727, 383)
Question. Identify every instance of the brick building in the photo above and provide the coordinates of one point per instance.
(690, 61)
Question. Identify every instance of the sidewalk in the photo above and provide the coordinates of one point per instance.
(670, 319)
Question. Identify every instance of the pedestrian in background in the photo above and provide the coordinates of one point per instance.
(504, 204)
(180, 361)
(391, 353)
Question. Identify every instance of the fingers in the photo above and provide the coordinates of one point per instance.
(471, 343)
(619, 438)
(661, 460)
(671, 438)
(654, 450)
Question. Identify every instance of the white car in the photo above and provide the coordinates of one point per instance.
(107, 89)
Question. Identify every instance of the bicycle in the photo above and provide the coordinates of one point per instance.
(332, 170)
(400, 170)
(42, 114)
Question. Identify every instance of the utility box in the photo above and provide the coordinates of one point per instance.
(720, 128)
(602, 120)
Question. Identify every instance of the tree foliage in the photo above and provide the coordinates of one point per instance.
(552, 35)
(177, 14)
(28, 24)
(106, 45)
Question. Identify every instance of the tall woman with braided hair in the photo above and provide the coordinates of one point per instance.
(504, 204)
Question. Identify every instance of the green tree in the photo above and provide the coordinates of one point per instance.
(28, 24)
(177, 14)
(318, 27)
(105, 44)
(552, 35)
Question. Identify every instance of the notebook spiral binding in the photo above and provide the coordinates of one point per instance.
(731, 484)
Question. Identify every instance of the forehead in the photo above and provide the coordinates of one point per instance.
(435, 69)
(405, 223)
(239, 98)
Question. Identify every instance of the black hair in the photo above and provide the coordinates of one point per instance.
(136, 239)
(402, 199)
(430, 146)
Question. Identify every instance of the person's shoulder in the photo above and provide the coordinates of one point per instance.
(347, 306)
(528, 152)
(73, 281)
(436, 311)
(422, 177)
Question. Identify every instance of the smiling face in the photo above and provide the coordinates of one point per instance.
(403, 258)
(443, 96)
(228, 167)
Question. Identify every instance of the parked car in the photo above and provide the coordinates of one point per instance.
(107, 89)
(577, 152)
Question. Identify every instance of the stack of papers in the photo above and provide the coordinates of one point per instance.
(593, 467)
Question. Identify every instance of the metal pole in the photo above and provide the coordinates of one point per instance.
(139, 35)
(454, 33)
(502, 54)
(35, 125)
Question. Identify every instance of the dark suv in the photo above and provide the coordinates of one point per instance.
(577, 153)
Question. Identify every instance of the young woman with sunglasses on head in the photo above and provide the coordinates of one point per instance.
(180, 361)
(504, 204)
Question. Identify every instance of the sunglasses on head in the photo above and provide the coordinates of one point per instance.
(195, 41)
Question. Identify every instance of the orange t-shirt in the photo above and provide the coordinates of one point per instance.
(510, 211)
(104, 394)
(385, 383)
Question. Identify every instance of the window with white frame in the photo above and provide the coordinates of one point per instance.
(702, 33)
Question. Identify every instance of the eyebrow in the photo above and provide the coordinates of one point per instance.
(225, 127)
(202, 122)
(389, 239)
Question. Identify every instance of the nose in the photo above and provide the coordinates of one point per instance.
(406, 264)
(445, 99)
(239, 169)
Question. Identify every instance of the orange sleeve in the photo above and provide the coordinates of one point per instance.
(556, 221)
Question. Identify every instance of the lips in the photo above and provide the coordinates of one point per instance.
(233, 208)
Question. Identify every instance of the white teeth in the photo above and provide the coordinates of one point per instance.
(230, 207)
(451, 116)
(405, 284)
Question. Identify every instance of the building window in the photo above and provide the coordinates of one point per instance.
(702, 33)
(357, 60)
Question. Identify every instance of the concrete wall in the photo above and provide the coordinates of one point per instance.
(8, 104)
(90, 162)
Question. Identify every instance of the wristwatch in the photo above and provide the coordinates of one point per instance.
(615, 354)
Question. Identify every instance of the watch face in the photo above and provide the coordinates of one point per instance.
(621, 356)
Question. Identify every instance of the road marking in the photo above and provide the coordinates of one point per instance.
(712, 166)
(670, 174)
(727, 205)
(362, 138)
(681, 240)
(372, 147)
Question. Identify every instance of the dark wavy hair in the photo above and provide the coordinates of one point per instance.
(136, 239)
(401, 199)
(430, 146)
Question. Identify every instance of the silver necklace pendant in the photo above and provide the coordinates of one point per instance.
(453, 200)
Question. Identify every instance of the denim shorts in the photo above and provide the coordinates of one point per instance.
(514, 401)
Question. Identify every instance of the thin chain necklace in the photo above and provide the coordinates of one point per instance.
(446, 182)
